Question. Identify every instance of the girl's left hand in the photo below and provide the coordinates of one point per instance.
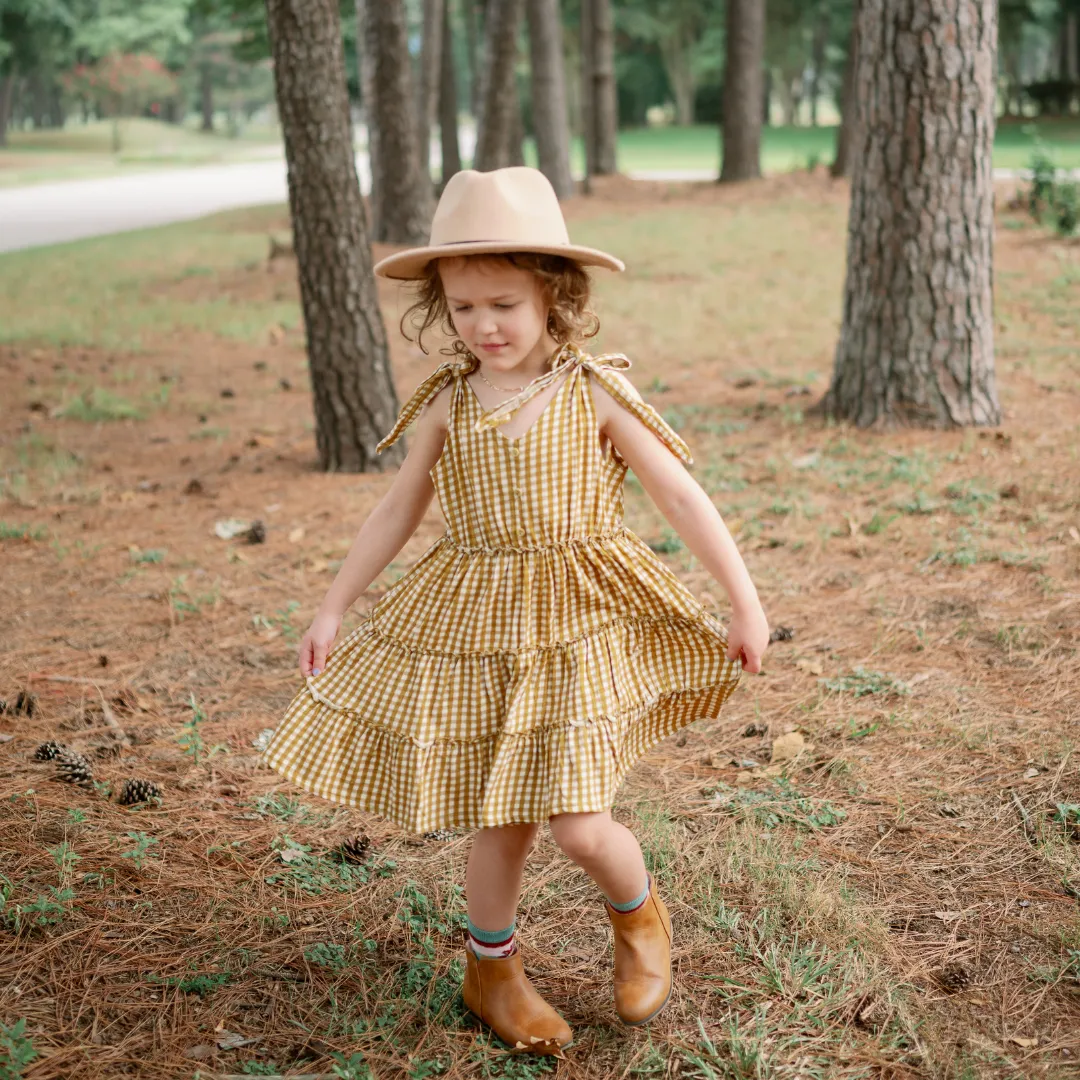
(748, 638)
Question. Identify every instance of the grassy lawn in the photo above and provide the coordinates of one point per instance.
(83, 151)
(899, 902)
(697, 148)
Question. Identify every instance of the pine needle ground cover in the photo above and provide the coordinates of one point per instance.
(872, 857)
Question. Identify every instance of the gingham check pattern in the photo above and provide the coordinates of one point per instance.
(533, 653)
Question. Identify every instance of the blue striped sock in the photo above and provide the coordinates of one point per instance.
(494, 944)
(633, 905)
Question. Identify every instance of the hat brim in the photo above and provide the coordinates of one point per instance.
(410, 265)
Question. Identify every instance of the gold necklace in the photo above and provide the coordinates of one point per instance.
(503, 389)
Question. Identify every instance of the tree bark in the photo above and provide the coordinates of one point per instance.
(206, 97)
(916, 345)
(743, 90)
(354, 397)
(473, 31)
(1070, 52)
(849, 103)
(600, 108)
(7, 95)
(675, 54)
(550, 116)
(430, 72)
(499, 97)
(448, 103)
(817, 61)
(401, 203)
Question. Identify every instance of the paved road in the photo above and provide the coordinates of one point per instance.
(45, 214)
(54, 213)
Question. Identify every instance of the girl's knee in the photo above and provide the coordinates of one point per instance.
(580, 836)
(510, 838)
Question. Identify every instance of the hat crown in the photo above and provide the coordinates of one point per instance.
(516, 205)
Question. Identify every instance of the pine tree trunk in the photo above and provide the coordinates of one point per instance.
(817, 61)
(354, 398)
(1070, 54)
(7, 96)
(849, 103)
(473, 32)
(401, 193)
(430, 72)
(550, 117)
(743, 90)
(516, 148)
(499, 100)
(600, 108)
(448, 103)
(916, 345)
(206, 97)
(675, 54)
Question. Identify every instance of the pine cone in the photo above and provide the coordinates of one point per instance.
(49, 751)
(355, 849)
(440, 835)
(782, 633)
(256, 534)
(138, 791)
(73, 768)
(954, 978)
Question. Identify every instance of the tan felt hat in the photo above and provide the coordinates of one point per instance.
(506, 210)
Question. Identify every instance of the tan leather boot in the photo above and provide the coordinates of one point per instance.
(498, 993)
(642, 959)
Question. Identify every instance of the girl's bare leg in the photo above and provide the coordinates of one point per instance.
(493, 875)
(607, 851)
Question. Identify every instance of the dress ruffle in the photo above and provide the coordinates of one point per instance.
(473, 754)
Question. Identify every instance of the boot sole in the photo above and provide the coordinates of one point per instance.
(485, 1024)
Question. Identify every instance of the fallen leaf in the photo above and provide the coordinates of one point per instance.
(806, 461)
(1032, 772)
(296, 535)
(809, 667)
(230, 1040)
(1074, 533)
(200, 1052)
(788, 747)
(1025, 1043)
(947, 916)
(291, 855)
(230, 528)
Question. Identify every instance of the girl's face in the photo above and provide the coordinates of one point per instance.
(498, 310)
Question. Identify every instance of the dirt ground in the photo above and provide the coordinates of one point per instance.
(899, 900)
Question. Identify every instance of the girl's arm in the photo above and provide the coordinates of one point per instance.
(383, 534)
(690, 512)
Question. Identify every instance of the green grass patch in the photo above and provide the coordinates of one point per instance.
(785, 148)
(101, 292)
(862, 682)
(99, 405)
(9, 531)
(779, 803)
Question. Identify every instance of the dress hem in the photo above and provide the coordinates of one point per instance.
(475, 820)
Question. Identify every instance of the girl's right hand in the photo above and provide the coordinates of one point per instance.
(317, 641)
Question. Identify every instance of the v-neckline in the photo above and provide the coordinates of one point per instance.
(532, 427)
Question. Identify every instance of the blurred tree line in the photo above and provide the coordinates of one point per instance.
(73, 60)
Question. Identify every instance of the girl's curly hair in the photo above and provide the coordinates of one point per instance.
(566, 287)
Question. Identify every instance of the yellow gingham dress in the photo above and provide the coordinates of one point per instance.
(534, 652)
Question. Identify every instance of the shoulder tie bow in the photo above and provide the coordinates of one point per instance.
(424, 393)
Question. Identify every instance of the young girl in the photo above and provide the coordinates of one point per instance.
(539, 647)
